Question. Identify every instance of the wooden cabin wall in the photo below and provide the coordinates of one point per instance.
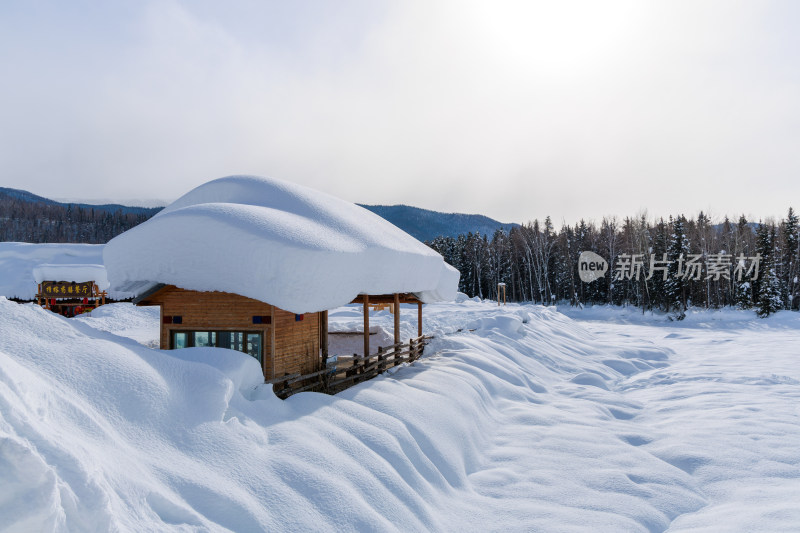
(296, 342)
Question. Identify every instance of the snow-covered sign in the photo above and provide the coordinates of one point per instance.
(288, 245)
(18, 260)
(76, 273)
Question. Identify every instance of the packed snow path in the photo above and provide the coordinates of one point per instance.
(529, 422)
(726, 410)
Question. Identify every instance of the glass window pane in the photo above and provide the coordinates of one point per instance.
(205, 338)
(254, 345)
(231, 340)
(224, 339)
(180, 339)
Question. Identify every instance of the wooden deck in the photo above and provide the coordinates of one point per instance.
(346, 371)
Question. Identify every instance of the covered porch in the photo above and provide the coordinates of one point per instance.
(348, 369)
(373, 301)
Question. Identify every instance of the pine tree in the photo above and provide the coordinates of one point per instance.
(675, 286)
(657, 281)
(742, 288)
(791, 258)
(769, 291)
(567, 265)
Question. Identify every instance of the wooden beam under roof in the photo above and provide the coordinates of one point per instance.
(404, 297)
(143, 298)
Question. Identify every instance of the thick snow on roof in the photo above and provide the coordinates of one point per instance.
(278, 242)
(77, 273)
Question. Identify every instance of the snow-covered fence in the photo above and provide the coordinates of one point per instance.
(346, 371)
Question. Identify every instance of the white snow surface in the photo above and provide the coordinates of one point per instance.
(531, 421)
(141, 324)
(291, 246)
(18, 260)
(78, 273)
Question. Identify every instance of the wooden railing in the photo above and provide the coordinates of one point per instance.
(346, 371)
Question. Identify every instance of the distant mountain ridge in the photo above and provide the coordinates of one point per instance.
(422, 224)
(426, 225)
(27, 217)
(26, 196)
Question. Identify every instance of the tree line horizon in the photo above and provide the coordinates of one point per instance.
(539, 264)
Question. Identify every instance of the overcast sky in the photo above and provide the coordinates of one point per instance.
(513, 109)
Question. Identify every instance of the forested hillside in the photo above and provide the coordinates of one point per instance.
(424, 224)
(736, 264)
(26, 217)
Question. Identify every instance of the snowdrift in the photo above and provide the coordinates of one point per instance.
(514, 426)
(516, 419)
(281, 243)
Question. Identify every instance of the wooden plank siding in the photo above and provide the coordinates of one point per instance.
(296, 343)
(289, 346)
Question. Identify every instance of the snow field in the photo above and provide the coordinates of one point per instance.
(533, 421)
(724, 411)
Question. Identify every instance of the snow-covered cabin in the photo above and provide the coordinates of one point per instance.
(253, 264)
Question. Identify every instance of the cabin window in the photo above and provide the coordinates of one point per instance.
(232, 340)
(254, 345)
(180, 339)
(241, 341)
(204, 338)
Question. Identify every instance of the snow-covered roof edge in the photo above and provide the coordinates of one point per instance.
(78, 273)
(288, 245)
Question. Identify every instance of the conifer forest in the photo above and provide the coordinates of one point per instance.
(668, 265)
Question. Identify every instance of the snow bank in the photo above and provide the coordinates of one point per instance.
(141, 324)
(78, 273)
(108, 434)
(278, 242)
(529, 423)
(18, 260)
(696, 317)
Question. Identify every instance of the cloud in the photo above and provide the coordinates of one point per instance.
(513, 109)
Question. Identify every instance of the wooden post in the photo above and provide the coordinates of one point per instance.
(396, 318)
(366, 325)
(272, 338)
(419, 319)
(323, 337)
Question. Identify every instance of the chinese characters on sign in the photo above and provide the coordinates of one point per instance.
(717, 266)
(66, 289)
